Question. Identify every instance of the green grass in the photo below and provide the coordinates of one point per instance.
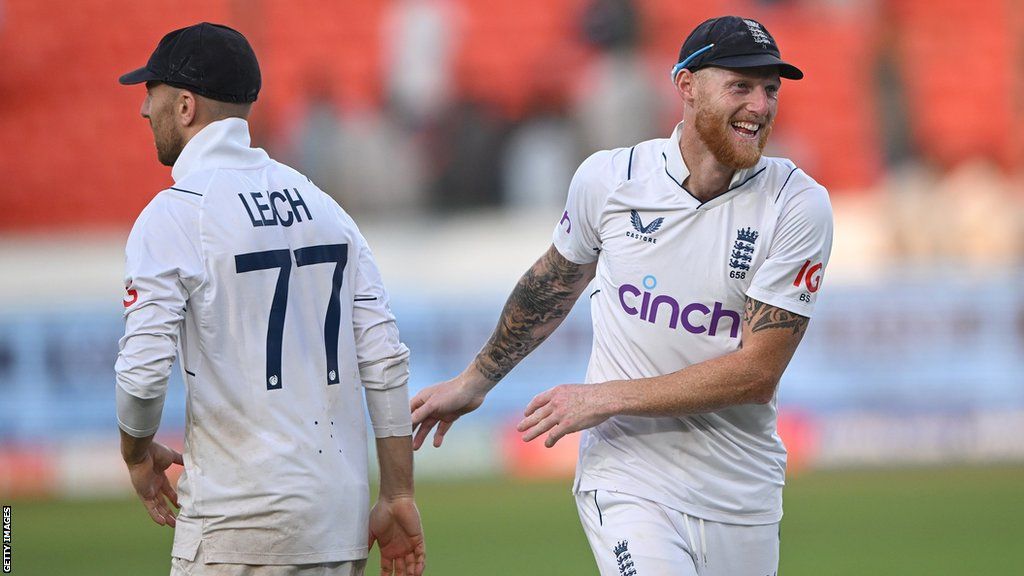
(901, 522)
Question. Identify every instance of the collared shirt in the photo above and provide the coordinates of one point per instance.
(267, 293)
(673, 274)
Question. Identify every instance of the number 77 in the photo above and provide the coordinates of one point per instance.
(282, 259)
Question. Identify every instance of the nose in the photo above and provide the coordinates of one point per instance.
(144, 109)
(759, 102)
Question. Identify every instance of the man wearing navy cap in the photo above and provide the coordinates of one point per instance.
(268, 295)
(704, 260)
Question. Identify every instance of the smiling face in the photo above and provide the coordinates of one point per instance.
(159, 108)
(734, 110)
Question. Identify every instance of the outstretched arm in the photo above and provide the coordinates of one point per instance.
(747, 376)
(540, 301)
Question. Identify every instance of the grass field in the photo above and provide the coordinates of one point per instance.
(906, 523)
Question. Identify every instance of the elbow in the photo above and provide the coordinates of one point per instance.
(763, 388)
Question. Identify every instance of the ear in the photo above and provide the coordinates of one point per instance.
(686, 86)
(185, 108)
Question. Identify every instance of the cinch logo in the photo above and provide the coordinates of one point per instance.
(693, 317)
(810, 276)
(565, 220)
(643, 231)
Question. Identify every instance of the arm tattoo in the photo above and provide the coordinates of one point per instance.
(761, 316)
(538, 303)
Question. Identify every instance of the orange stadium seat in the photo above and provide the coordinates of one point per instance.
(76, 155)
(961, 93)
(74, 147)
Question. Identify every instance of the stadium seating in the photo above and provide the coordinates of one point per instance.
(76, 155)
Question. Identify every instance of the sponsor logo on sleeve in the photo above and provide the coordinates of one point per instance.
(131, 296)
(565, 220)
(810, 276)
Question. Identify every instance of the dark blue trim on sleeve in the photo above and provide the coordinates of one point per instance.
(779, 195)
(629, 168)
(187, 191)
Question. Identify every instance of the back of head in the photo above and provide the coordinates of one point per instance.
(210, 60)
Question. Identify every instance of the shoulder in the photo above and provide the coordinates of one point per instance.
(173, 211)
(606, 169)
(603, 167)
(170, 219)
(174, 203)
(646, 157)
(791, 187)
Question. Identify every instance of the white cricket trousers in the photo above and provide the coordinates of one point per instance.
(631, 536)
(198, 567)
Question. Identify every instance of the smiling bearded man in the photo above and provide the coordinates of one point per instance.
(696, 316)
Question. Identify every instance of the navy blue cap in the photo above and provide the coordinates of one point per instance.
(732, 42)
(209, 59)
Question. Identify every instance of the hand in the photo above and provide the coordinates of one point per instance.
(150, 481)
(442, 404)
(395, 526)
(562, 410)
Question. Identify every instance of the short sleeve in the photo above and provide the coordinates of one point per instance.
(793, 272)
(576, 236)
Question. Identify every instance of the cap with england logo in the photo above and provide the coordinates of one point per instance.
(732, 42)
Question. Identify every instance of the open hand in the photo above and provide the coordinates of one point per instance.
(441, 405)
(562, 410)
(149, 478)
(395, 526)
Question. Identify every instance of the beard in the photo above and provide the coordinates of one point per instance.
(169, 142)
(169, 147)
(716, 133)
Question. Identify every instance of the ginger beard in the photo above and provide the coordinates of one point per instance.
(728, 147)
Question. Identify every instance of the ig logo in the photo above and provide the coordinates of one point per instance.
(810, 276)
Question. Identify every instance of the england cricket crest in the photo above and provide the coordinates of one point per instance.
(743, 249)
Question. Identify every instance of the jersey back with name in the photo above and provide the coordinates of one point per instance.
(276, 433)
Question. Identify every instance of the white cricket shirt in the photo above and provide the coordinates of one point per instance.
(672, 278)
(277, 301)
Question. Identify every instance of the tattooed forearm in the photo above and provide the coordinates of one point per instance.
(537, 305)
(760, 316)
